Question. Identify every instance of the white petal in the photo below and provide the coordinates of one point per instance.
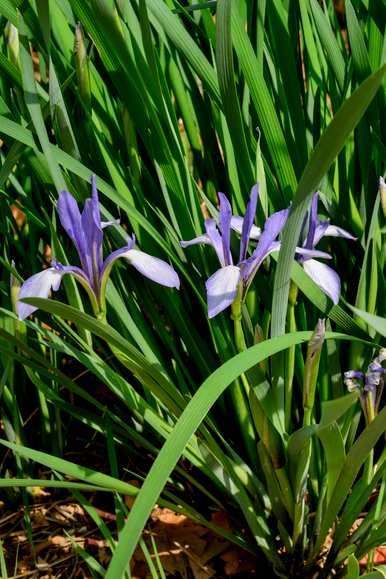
(334, 231)
(108, 223)
(152, 267)
(221, 289)
(38, 286)
(325, 277)
(237, 225)
(312, 253)
(200, 239)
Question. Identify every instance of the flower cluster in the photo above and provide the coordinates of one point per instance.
(233, 279)
(86, 232)
(230, 281)
(369, 385)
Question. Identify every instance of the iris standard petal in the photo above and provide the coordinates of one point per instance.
(92, 255)
(273, 226)
(71, 221)
(249, 216)
(221, 289)
(152, 267)
(92, 228)
(313, 222)
(38, 286)
(325, 277)
(94, 198)
(225, 217)
(237, 225)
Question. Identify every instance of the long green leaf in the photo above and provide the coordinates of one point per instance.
(226, 81)
(33, 105)
(376, 322)
(92, 477)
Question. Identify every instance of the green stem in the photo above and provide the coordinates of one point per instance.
(240, 390)
(252, 415)
(237, 324)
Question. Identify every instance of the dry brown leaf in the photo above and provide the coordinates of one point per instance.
(221, 519)
(379, 557)
(214, 547)
(129, 500)
(167, 516)
(232, 561)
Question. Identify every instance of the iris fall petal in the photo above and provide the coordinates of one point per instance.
(221, 289)
(325, 277)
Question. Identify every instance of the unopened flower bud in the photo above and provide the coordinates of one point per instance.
(82, 70)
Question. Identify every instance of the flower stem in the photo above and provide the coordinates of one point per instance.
(240, 390)
(253, 416)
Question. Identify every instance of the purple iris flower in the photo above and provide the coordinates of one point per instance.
(86, 231)
(325, 277)
(369, 385)
(223, 286)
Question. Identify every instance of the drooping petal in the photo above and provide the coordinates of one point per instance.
(110, 259)
(237, 225)
(37, 286)
(151, 267)
(108, 223)
(221, 289)
(225, 217)
(273, 226)
(310, 253)
(335, 231)
(325, 277)
(324, 229)
(248, 221)
(71, 221)
(313, 222)
(197, 240)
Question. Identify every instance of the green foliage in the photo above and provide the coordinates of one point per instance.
(168, 103)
